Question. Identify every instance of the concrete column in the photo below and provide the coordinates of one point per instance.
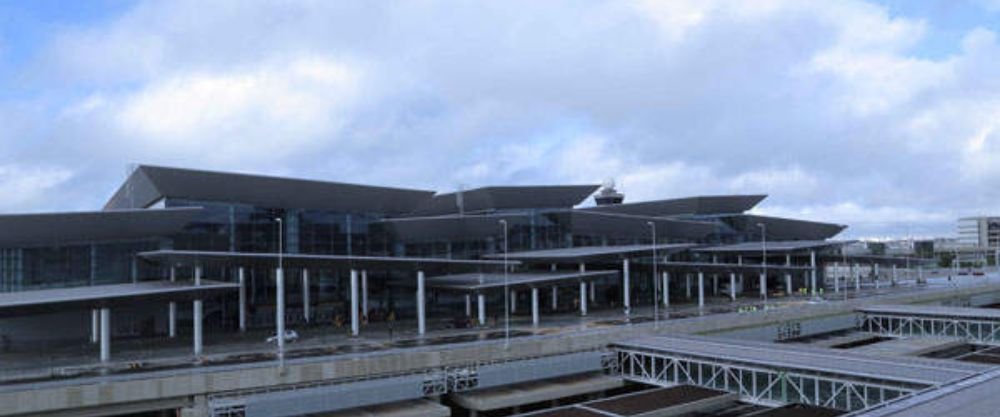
(95, 326)
(241, 273)
(468, 305)
(894, 277)
(812, 277)
(687, 285)
(788, 283)
(763, 284)
(421, 306)
(355, 320)
(701, 289)
(172, 309)
(593, 290)
(197, 316)
(364, 294)
(534, 306)
(920, 274)
(481, 298)
(857, 277)
(555, 298)
(105, 334)
(836, 278)
(279, 313)
(583, 298)
(715, 284)
(732, 286)
(666, 289)
(625, 285)
(513, 301)
(306, 313)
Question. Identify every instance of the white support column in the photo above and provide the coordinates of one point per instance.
(95, 326)
(534, 306)
(279, 313)
(788, 275)
(687, 285)
(481, 298)
(732, 286)
(857, 277)
(355, 321)
(583, 298)
(894, 277)
(364, 294)
(812, 280)
(468, 305)
(763, 284)
(836, 278)
(555, 298)
(306, 312)
(513, 301)
(593, 291)
(241, 273)
(715, 284)
(625, 286)
(421, 306)
(172, 309)
(105, 334)
(666, 289)
(197, 315)
(701, 289)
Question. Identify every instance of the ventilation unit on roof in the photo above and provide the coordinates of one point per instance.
(607, 195)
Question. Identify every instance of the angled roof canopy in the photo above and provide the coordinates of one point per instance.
(584, 253)
(23, 230)
(699, 205)
(296, 260)
(489, 199)
(147, 184)
(62, 299)
(480, 281)
(779, 228)
(773, 247)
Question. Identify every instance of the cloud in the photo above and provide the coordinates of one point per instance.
(25, 188)
(828, 107)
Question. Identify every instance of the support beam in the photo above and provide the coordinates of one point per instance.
(279, 313)
(534, 306)
(306, 313)
(666, 289)
(513, 301)
(197, 316)
(701, 289)
(732, 286)
(481, 298)
(95, 326)
(172, 309)
(687, 285)
(812, 280)
(355, 321)
(894, 277)
(468, 305)
(836, 278)
(241, 273)
(105, 334)
(625, 287)
(364, 294)
(421, 305)
(583, 298)
(788, 275)
(857, 277)
(763, 285)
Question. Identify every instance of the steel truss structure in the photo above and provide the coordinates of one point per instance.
(973, 330)
(760, 384)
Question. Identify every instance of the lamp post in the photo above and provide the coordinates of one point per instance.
(506, 290)
(279, 319)
(763, 248)
(656, 292)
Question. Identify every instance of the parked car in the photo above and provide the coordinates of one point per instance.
(290, 336)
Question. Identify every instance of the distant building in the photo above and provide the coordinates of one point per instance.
(979, 232)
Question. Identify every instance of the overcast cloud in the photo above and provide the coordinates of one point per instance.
(841, 111)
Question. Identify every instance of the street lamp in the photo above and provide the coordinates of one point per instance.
(763, 248)
(279, 319)
(656, 293)
(506, 290)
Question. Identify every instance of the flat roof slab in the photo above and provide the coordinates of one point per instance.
(95, 296)
(663, 402)
(582, 253)
(415, 408)
(910, 346)
(483, 281)
(917, 310)
(534, 392)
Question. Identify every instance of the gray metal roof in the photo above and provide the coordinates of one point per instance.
(21, 230)
(295, 260)
(717, 267)
(920, 310)
(584, 253)
(147, 184)
(629, 226)
(975, 396)
(779, 228)
(698, 205)
(795, 357)
(480, 281)
(487, 199)
(61, 299)
(773, 247)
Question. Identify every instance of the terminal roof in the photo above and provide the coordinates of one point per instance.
(917, 310)
(488, 199)
(297, 260)
(699, 205)
(589, 253)
(481, 281)
(773, 247)
(25, 230)
(62, 299)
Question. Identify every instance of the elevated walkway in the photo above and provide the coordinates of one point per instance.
(976, 325)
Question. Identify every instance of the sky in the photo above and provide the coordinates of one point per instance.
(884, 116)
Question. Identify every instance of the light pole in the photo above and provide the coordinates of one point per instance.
(279, 319)
(656, 292)
(506, 290)
(763, 262)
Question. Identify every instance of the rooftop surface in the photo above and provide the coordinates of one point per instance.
(107, 295)
(991, 314)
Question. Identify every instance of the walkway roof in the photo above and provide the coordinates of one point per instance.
(975, 396)
(590, 253)
(61, 299)
(25, 230)
(298, 260)
(917, 310)
(783, 356)
(773, 247)
(476, 282)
